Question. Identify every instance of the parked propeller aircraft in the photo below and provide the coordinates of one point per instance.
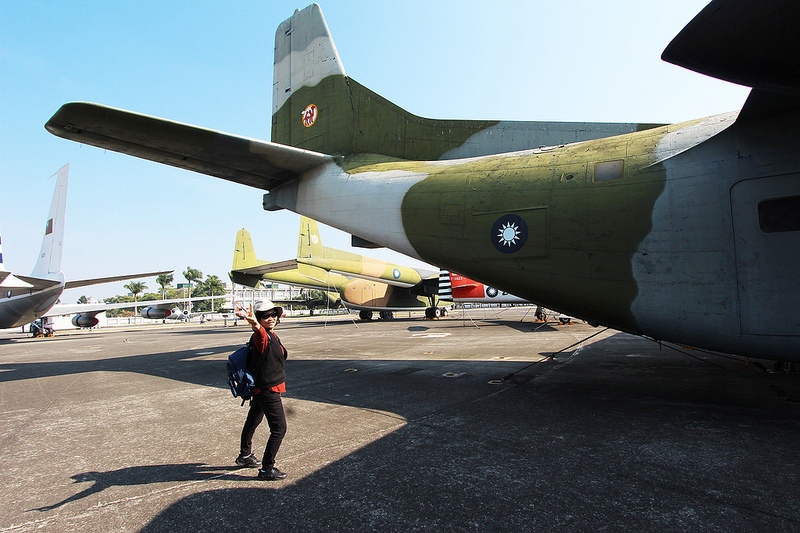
(461, 289)
(167, 310)
(85, 315)
(403, 281)
(359, 282)
(686, 232)
(27, 298)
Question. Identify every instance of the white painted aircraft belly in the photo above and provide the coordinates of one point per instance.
(337, 198)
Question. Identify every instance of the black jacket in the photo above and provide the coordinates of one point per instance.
(268, 366)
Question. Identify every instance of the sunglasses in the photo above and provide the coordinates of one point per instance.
(268, 314)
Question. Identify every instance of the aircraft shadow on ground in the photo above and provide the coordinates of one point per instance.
(563, 444)
(521, 326)
(566, 446)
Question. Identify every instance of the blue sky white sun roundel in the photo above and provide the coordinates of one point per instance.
(509, 234)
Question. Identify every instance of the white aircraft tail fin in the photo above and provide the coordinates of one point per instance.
(305, 54)
(48, 265)
(309, 83)
(316, 106)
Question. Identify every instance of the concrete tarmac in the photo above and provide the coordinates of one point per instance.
(402, 425)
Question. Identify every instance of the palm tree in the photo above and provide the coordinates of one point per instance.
(214, 287)
(164, 280)
(191, 274)
(135, 288)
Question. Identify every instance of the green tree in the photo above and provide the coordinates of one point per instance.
(191, 274)
(174, 293)
(118, 300)
(212, 286)
(215, 288)
(135, 288)
(164, 280)
(83, 300)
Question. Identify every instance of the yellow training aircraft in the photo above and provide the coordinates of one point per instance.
(358, 282)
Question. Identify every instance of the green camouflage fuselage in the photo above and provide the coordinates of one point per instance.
(635, 232)
(581, 234)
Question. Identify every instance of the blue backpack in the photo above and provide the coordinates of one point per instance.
(240, 377)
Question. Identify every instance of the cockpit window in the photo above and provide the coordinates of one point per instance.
(608, 170)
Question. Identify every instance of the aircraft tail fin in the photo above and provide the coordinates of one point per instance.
(317, 107)
(48, 265)
(309, 243)
(244, 256)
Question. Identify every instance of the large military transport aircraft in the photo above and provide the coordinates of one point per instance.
(687, 232)
(28, 298)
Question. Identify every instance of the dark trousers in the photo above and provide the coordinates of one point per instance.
(267, 404)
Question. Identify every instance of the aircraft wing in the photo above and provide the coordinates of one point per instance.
(301, 277)
(268, 268)
(71, 309)
(37, 284)
(259, 164)
(749, 43)
(311, 283)
(96, 281)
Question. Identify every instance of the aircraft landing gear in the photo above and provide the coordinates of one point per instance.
(365, 315)
(432, 313)
(386, 315)
(40, 329)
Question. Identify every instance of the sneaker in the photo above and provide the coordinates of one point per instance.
(271, 474)
(248, 461)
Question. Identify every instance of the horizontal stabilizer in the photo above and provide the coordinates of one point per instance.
(38, 284)
(10, 281)
(259, 164)
(749, 43)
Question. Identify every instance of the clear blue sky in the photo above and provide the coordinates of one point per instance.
(209, 63)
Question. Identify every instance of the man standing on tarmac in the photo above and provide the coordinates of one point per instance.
(266, 360)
